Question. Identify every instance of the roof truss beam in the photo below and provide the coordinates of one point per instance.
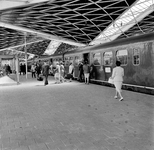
(45, 35)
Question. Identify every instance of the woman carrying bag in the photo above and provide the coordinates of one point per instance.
(117, 76)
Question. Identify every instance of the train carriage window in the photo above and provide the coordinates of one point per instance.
(77, 59)
(96, 58)
(71, 59)
(122, 56)
(136, 57)
(108, 58)
(66, 61)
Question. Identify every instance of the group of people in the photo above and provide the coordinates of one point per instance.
(36, 70)
(117, 76)
(85, 70)
(56, 69)
(5, 70)
(60, 74)
(22, 69)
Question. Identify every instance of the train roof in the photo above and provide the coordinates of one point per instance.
(120, 42)
(131, 40)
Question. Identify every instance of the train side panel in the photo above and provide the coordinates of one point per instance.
(140, 73)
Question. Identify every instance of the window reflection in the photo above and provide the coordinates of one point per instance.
(77, 60)
(97, 59)
(136, 57)
(122, 56)
(108, 58)
(66, 61)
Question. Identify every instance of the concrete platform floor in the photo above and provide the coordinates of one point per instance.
(73, 116)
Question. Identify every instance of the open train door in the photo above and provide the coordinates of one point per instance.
(86, 57)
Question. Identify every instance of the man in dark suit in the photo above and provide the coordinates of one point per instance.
(45, 72)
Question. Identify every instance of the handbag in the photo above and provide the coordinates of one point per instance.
(69, 76)
(111, 81)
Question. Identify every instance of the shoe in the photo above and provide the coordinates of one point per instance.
(121, 99)
(116, 97)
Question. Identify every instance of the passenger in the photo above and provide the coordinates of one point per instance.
(117, 76)
(21, 68)
(51, 69)
(33, 67)
(45, 72)
(81, 74)
(91, 76)
(57, 73)
(86, 69)
(24, 69)
(7, 69)
(71, 71)
(62, 72)
(38, 70)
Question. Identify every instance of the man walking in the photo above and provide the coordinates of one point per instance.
(45, 72)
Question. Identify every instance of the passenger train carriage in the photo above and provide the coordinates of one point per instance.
(136, 55)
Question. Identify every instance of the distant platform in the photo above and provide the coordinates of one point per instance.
(6, 80)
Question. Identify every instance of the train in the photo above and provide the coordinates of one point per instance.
(136, 55)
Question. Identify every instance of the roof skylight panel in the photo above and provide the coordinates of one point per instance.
(52, 47)
(127, 17)
(125, 20)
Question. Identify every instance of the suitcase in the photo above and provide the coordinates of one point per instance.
(40, 78)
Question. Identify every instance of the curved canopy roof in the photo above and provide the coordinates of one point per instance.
(45, 24)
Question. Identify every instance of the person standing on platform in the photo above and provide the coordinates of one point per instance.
(6, 70)
(71, 71)
(33, 67)
(117, 76)
(86, 69)
(9, 69)
(45, 72)
(57, 73)
(62, 72)
(92, 72)
(21, 68)
(24, 69)
(81, 73)
(38, 70)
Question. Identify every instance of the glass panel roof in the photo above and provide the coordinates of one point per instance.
(128, 17)
(52, 47)
(77, 22)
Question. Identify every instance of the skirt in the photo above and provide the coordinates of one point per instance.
(118, 85)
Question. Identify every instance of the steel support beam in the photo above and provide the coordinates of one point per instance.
(40, 34)
(5, 4)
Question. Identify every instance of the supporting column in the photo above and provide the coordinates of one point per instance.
(17, 68)
(26, 56)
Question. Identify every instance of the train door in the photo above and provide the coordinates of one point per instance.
(86, 57)
(107, 64)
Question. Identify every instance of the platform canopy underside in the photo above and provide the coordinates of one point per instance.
(43, 25)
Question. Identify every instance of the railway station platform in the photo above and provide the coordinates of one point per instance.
(73, 116)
